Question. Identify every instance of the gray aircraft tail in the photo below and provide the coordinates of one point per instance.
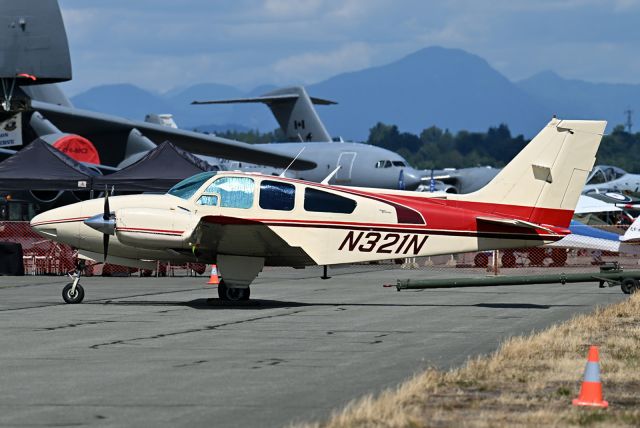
(294, 111)
(34, 48)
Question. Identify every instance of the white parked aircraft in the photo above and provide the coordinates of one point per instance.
(245, 221)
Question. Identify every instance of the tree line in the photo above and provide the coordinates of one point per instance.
(438, 148)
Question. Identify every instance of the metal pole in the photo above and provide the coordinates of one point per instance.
(324, 275)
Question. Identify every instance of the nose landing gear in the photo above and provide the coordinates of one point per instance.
(73, 292)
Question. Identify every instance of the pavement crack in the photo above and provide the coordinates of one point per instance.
(191, 364)
(191, 330)
(73, 325)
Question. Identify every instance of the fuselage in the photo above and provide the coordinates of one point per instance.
(362, 165)
(288, 222)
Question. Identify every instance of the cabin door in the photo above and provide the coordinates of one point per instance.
(345, 161)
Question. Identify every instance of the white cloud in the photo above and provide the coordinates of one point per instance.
(315, 66)
(299, 9)
(161, 43)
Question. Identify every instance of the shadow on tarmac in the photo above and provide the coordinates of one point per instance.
(259, 304)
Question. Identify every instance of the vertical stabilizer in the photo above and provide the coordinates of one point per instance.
(633, 233)
(293, 109)
(33, 42)
(549, 173)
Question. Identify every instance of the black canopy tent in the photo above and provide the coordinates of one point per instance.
(157, 171)
(40, 166)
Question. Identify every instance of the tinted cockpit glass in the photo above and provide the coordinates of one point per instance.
(325, 202)
(275, 195)
(187, 187)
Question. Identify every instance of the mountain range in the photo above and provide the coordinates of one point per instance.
(449, 88)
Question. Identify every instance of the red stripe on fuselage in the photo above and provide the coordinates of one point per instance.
(62, 220)
(486, 230)
(145, 230)
(427, 207)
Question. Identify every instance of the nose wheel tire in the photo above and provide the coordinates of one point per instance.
(73, 296)
(233, 294)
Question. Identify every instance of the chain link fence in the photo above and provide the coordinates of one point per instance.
(42, 256)
(45, 257)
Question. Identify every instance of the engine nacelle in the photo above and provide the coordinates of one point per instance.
(154, 228)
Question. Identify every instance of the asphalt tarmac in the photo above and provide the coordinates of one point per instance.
(156, 352)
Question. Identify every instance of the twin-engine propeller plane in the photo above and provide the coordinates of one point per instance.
(243, 222)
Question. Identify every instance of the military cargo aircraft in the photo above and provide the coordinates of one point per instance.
(31, 100)
(35, 56)
(360, 164)
(243, 222)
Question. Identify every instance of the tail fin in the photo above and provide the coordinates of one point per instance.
(633, 233)
(548, 174)
(294, 111)
(34, 44)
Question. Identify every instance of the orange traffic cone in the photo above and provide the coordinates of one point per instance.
(591, 389)
(214, 276)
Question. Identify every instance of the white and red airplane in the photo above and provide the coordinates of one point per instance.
(243, 222)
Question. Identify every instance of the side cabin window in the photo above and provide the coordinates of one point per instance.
(235, 192)
(324, 202)
(208, 200)
(275, 195)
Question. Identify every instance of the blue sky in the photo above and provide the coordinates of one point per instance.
(161, 45)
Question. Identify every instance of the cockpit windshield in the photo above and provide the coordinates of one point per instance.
(604, 173)
(187, 187)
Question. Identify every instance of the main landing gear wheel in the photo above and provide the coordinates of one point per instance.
(73, 296)
(233, 294)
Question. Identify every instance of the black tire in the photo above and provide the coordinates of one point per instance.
(559, 257)
(233, 294)
(629, 285)
(481, 260)
(78, 297)
(509, 260)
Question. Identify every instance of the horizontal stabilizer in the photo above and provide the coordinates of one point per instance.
(514, 222)
(293, 109)
(266, 100)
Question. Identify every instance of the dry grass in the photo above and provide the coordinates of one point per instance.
(529, 381)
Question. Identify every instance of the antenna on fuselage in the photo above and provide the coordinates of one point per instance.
(330, 176)
(289, 166)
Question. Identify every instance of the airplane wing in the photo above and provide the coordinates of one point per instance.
(231, 235)
(85, 122)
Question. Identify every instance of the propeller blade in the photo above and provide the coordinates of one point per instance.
(105, 246)
(107, 211)
(106, 217)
